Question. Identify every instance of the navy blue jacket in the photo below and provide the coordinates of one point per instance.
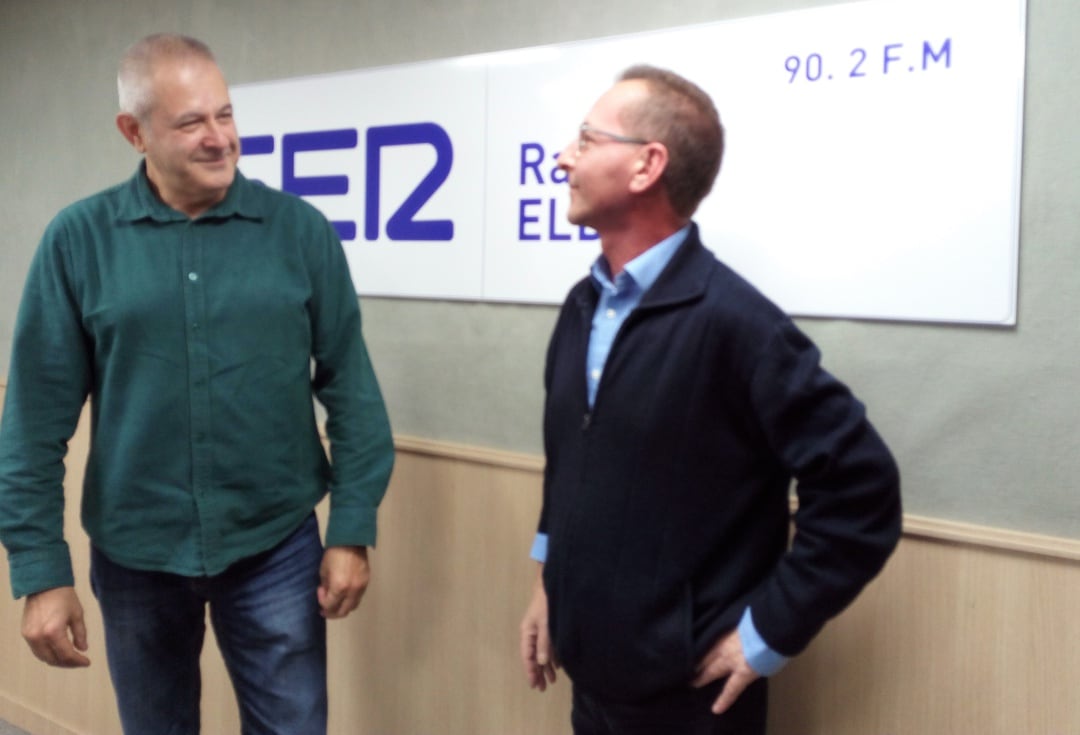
(667, 505)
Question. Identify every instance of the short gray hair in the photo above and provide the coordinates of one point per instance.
(681, 115)
(133, 80)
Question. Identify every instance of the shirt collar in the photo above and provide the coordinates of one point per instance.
(138, 201)
(645, 268)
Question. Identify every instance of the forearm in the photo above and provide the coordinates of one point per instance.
(48, 382)
(357, 426)
(849, 515)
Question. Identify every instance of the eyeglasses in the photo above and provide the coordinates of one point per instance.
(587, 133)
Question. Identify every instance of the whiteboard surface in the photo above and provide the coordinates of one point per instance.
(872, 167)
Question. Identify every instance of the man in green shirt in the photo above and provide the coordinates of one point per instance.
(199, 312)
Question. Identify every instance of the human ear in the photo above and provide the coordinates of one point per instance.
(649, 166)
(130, 127)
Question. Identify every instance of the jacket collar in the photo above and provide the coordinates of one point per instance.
(684, 279)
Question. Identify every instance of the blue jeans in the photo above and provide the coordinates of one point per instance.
(266, 619)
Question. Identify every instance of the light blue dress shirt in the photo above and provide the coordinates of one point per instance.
(619, 296)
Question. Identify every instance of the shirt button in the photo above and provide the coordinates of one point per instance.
(595, 375)
(610, 314)
(193, 276)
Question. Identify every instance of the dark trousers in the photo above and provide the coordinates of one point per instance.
(684, 712)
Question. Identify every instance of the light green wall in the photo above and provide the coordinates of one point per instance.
(984, 421)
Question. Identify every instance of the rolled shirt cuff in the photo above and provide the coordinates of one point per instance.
(539, 548)
(762, 659)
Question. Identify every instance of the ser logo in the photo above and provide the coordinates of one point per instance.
(402, 224)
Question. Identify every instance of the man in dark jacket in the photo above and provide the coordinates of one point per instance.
(680, 405)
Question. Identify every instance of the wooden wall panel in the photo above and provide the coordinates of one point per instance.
(956, 636)
(950, 639)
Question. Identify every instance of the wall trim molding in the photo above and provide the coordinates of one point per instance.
(934, 529)
(990, 537)
(921, 527)
(29, 719)
(501, 458)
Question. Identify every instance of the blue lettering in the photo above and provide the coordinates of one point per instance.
(346, 229)
(552, 235)
(862, 58)
(528, 162)
(929, 55)
(402, 225)
(889, 58)
(321, 140)
(558, 176)
(530, 226)
(257, 145)
(524, 219)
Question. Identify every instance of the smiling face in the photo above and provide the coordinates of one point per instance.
(599, 167)
(188, 135)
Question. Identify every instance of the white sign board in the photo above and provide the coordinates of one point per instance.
(872, 167)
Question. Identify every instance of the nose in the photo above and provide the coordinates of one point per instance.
(568, 156)
(216, 135)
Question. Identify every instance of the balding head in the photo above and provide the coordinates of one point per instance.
(134, 80)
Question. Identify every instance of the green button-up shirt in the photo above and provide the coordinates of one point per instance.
(200, 343)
